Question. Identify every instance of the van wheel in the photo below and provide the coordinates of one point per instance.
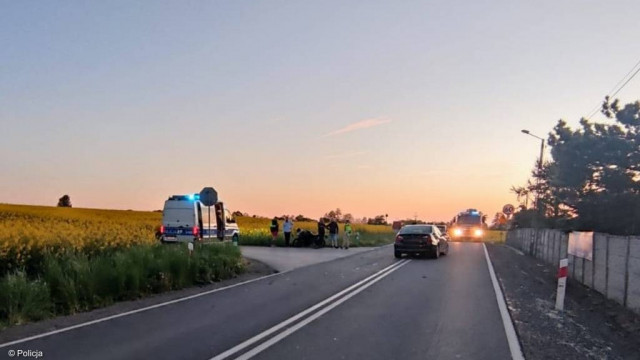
(234, 238)
(397, 254)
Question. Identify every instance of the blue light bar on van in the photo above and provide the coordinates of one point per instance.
(189, 197)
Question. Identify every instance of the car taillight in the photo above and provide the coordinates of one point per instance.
(399, 239)
(162, 229)
(195, 230)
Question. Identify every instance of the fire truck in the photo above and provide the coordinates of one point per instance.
(468, 225)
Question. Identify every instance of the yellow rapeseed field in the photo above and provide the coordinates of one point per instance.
(262, 225)
(28, 229)
(255, 231)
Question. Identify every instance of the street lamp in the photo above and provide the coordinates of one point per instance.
(539, 161)
(541, 147)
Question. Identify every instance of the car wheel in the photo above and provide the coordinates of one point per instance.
(397, 254)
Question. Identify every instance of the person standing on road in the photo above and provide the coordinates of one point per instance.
(286, 228)
(321, 229)
(333, 233)
(347, 235)
(274, 231)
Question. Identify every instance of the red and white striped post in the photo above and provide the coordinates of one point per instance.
(563, 271)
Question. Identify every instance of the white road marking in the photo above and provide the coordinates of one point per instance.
(265, 345)
(512, 337)
(97, 321)
(382, 273)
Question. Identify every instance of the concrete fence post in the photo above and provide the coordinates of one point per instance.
(559, 245)
(606, 277)
(633, 293)
(626, 272)
(593, 264)
(531, 242)
(537, 235)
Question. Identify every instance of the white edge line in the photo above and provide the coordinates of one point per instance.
(298, 326)
(512, 337)
(294, 318)
(174, 301)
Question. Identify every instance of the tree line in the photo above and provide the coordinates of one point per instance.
(331, 214)
(592, 182)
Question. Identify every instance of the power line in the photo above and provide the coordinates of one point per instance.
(626, 82)
(621, 80)
(613, 91)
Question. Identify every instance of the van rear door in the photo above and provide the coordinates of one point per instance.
(179, 220)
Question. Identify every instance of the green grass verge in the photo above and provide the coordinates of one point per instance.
(495, 236)
(75, 282)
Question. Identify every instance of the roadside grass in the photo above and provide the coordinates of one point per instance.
(255, 231)
(74, 282)
(495, 236)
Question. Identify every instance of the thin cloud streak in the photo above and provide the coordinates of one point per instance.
(362, 124)
(345, 155)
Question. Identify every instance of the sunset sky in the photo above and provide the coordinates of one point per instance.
(399, 107)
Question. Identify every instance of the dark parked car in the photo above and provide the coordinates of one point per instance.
(420, 240)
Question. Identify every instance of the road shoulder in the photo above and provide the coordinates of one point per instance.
(591, 327)
(254, 270)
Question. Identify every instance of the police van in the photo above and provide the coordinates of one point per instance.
(186, 219)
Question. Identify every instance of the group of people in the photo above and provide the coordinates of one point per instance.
(332, 227)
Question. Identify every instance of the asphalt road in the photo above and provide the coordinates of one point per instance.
(407, 309)
(284, 259)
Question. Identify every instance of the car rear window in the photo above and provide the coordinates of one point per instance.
(416, 229)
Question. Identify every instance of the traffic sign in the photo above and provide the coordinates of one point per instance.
(209, 196)
(508, 209)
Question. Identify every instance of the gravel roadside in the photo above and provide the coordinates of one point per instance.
(591, 327)
(254, 269)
